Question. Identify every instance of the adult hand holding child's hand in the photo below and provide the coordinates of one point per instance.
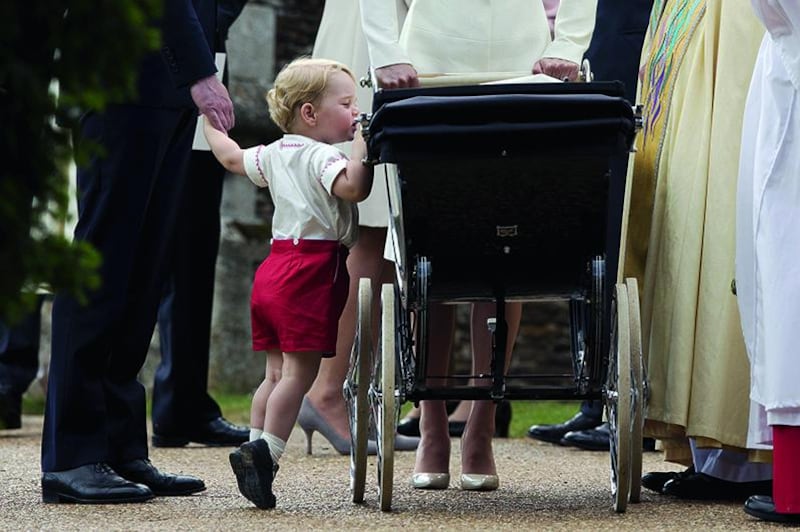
(213, 101)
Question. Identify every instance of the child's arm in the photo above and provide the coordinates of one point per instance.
(225, 149)
(355, 181)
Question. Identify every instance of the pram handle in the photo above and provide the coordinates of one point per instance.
(478, 78)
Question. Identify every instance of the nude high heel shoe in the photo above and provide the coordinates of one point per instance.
(430, 481)
(310, 420)
(473, 482)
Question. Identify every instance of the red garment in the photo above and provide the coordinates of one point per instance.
(786, 469)
(298, 294)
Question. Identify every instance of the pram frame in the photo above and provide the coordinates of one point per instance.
(621, 370)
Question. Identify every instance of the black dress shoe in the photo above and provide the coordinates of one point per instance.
(162, 484)
(217, 432)
(10, 410)
(594, 439)
(554, 433)
(91, 484)
(254, 470)
(763, 507)
(700, 486)
(655, 481)
(408, 426)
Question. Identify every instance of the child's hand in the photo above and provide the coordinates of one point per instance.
(358, 150)
(225, 149)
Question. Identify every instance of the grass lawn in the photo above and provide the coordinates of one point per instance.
(523, 413)
(236, 408)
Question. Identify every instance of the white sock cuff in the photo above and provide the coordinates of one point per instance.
(276, 446)
(255, 434)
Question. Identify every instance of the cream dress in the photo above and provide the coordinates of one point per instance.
(340, 38)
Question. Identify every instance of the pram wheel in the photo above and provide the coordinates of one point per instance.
(355, 391)
(618, 399)
(383, 400)
(639, 399)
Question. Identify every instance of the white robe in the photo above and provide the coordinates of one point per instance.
(768, 224)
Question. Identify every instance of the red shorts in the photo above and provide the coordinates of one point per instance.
(298, 295)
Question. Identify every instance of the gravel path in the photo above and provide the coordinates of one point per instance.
(543, 487)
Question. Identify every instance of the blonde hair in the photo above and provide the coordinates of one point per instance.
(301, 81)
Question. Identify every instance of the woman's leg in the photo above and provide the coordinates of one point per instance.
(365, 260)
(433, 453)
(476, 443)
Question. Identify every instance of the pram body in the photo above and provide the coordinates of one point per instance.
(502, 192)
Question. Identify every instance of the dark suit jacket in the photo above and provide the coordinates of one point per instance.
(617, 41)
(188, 30)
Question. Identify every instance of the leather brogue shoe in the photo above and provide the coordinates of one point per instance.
(10, 410)
(763, 507)
(655, 481)
(218, 432)
(91, 484)
(595, 439)
(252, 464)
(161, 484)
(554, 433)
(700, 486)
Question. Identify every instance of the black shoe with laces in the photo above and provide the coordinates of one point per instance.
(161, 484)
(554, 433)
(91, 484)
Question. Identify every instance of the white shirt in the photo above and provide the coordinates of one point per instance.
(300, 172)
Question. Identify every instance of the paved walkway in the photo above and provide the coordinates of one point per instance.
(543, 487)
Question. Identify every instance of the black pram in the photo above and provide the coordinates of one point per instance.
(502, 192)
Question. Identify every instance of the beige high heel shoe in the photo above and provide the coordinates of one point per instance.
(474, 482)
(430, 481)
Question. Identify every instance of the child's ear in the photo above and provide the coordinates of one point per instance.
(308, 114)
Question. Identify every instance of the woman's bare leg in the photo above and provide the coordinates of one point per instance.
(433, 453)
(477, 456)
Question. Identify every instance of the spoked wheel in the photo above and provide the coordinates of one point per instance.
(637, 378)
(356, 386)
(618, 399)
(384, 408)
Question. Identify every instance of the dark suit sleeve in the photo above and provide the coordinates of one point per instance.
(186, 47)
(227, 13)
